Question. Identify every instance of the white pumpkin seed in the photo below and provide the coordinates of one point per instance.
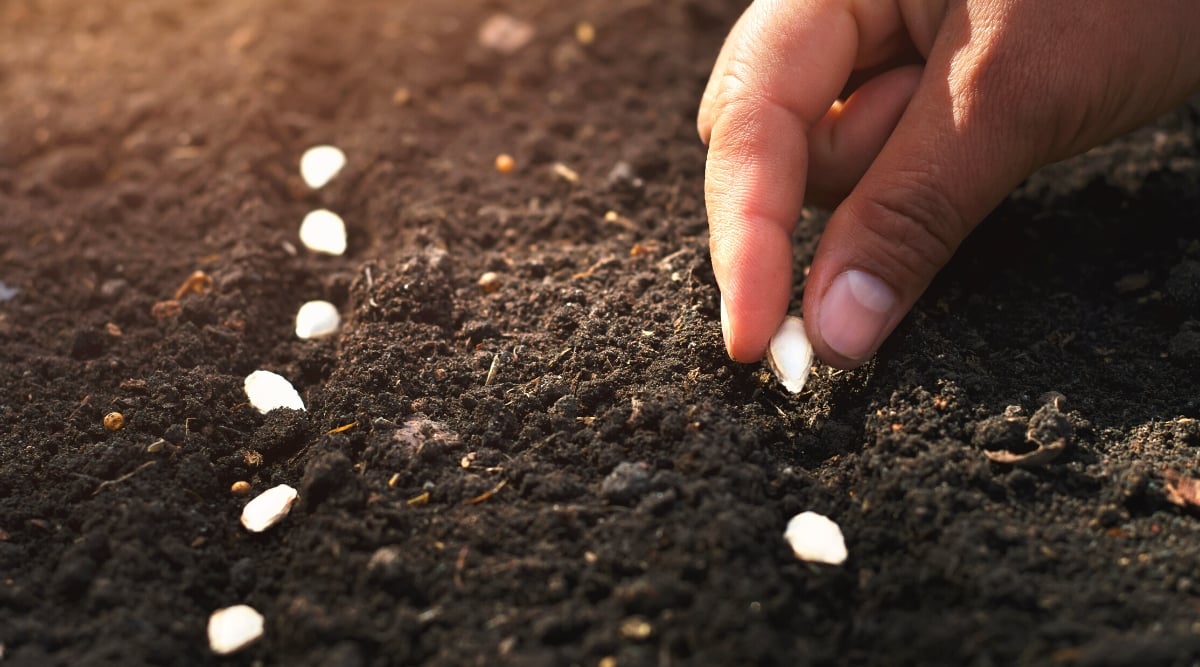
(320, 164)
(317, 319)
(267, 391)
(324, 231)
(790, 354)
(816, 539)
(233, 628)
(268, 508)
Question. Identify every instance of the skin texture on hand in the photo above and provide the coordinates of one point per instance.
(953, 103)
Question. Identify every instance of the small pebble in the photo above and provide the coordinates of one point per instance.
(622, 173)
(816, 539)
(268, 508)
(324, 231)
(504, 33)
(240, 488)
(387, 568)
(317, 319)
(109, 289)
(790, 354)
(489, 282)
(7, 293)
(320, 164)
(1006, 431)
(267, 391)
(626, 484)
(233, 628)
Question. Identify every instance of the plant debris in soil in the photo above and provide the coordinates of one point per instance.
(558, 465)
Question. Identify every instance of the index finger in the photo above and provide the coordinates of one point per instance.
(778, 74)
(782, 69)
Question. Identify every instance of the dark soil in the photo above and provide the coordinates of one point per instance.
(642, 481)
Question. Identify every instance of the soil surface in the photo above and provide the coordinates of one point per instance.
(566, 469)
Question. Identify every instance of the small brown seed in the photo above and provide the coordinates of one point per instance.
(240, 488)
(114, 421)
(585, 33)
(505, 163)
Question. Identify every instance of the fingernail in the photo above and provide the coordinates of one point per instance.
(725, 327)
(854, 312)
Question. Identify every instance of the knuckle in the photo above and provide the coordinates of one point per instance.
(916, 224)
(735, 80)
(741, 93)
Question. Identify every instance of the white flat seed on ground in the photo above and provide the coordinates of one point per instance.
(504, 33)
(317, 319)
(790, 354)
(267, 391)
(320, 164)
(268, 508)
(233, 628)
(816, 539)
(324, 231)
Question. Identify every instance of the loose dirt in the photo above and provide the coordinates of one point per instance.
(558, 466)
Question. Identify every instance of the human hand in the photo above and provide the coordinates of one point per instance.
(919, 153)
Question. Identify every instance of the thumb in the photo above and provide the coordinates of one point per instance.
(952, 157)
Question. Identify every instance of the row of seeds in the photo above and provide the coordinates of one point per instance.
(233, 628)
